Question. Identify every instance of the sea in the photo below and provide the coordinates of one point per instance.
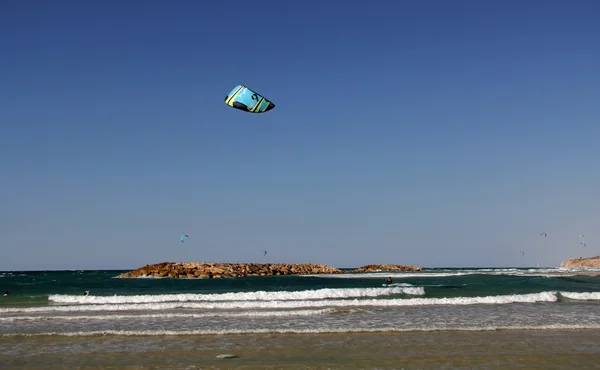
(435, 318)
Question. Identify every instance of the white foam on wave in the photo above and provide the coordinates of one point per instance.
(326, 293)
(545, 272)
(173, 315)
(579, 269)
(407, 302)
(396, 275)
(583, 296)
(303, 331)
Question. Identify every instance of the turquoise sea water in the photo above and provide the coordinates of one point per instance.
(451, 318)
(52, 302)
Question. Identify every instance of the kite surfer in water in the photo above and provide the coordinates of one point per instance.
(388, 281)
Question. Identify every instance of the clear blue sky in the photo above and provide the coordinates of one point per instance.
(434, 133)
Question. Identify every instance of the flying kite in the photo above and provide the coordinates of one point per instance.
(265, 253)
(522, 253)
(582, 240)
(243, 98)
(544, 235)
(182, 237)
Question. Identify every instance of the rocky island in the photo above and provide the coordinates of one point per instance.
(379, 268)
(210, 270)
(575, 263)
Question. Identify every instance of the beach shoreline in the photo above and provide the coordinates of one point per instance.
(456, 349)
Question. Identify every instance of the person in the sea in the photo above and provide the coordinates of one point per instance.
(388, 281)
(87, 292)
(6, 293)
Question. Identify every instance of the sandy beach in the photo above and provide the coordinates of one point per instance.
(555, 349)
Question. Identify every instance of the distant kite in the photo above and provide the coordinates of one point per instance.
(243, 98)
(544, 235)
(265, 253)
(522, 253)
(582, 240)
(182, 237)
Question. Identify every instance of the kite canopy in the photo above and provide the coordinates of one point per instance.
(247, 100)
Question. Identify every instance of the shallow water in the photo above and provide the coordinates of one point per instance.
(546, 349)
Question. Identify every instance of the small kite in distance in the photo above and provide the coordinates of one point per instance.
(182, 237)
(544, 235)
(265, 253)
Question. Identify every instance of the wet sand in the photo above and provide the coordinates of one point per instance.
(542, 349)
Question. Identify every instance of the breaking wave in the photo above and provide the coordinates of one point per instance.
(303, 331)
(326, 293)
(159, 304)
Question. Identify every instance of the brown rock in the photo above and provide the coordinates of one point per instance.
(589, 262)
(388, 267)
(219, 270)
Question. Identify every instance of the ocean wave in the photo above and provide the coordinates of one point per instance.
(579, 269)
(396, 275)
(389, 329)
(298, 304)
(583, 296)
(173, 315)
(544, 272)
(326, 293)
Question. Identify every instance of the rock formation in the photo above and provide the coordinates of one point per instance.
(377, 268)
(574, 263)
(208, 270)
